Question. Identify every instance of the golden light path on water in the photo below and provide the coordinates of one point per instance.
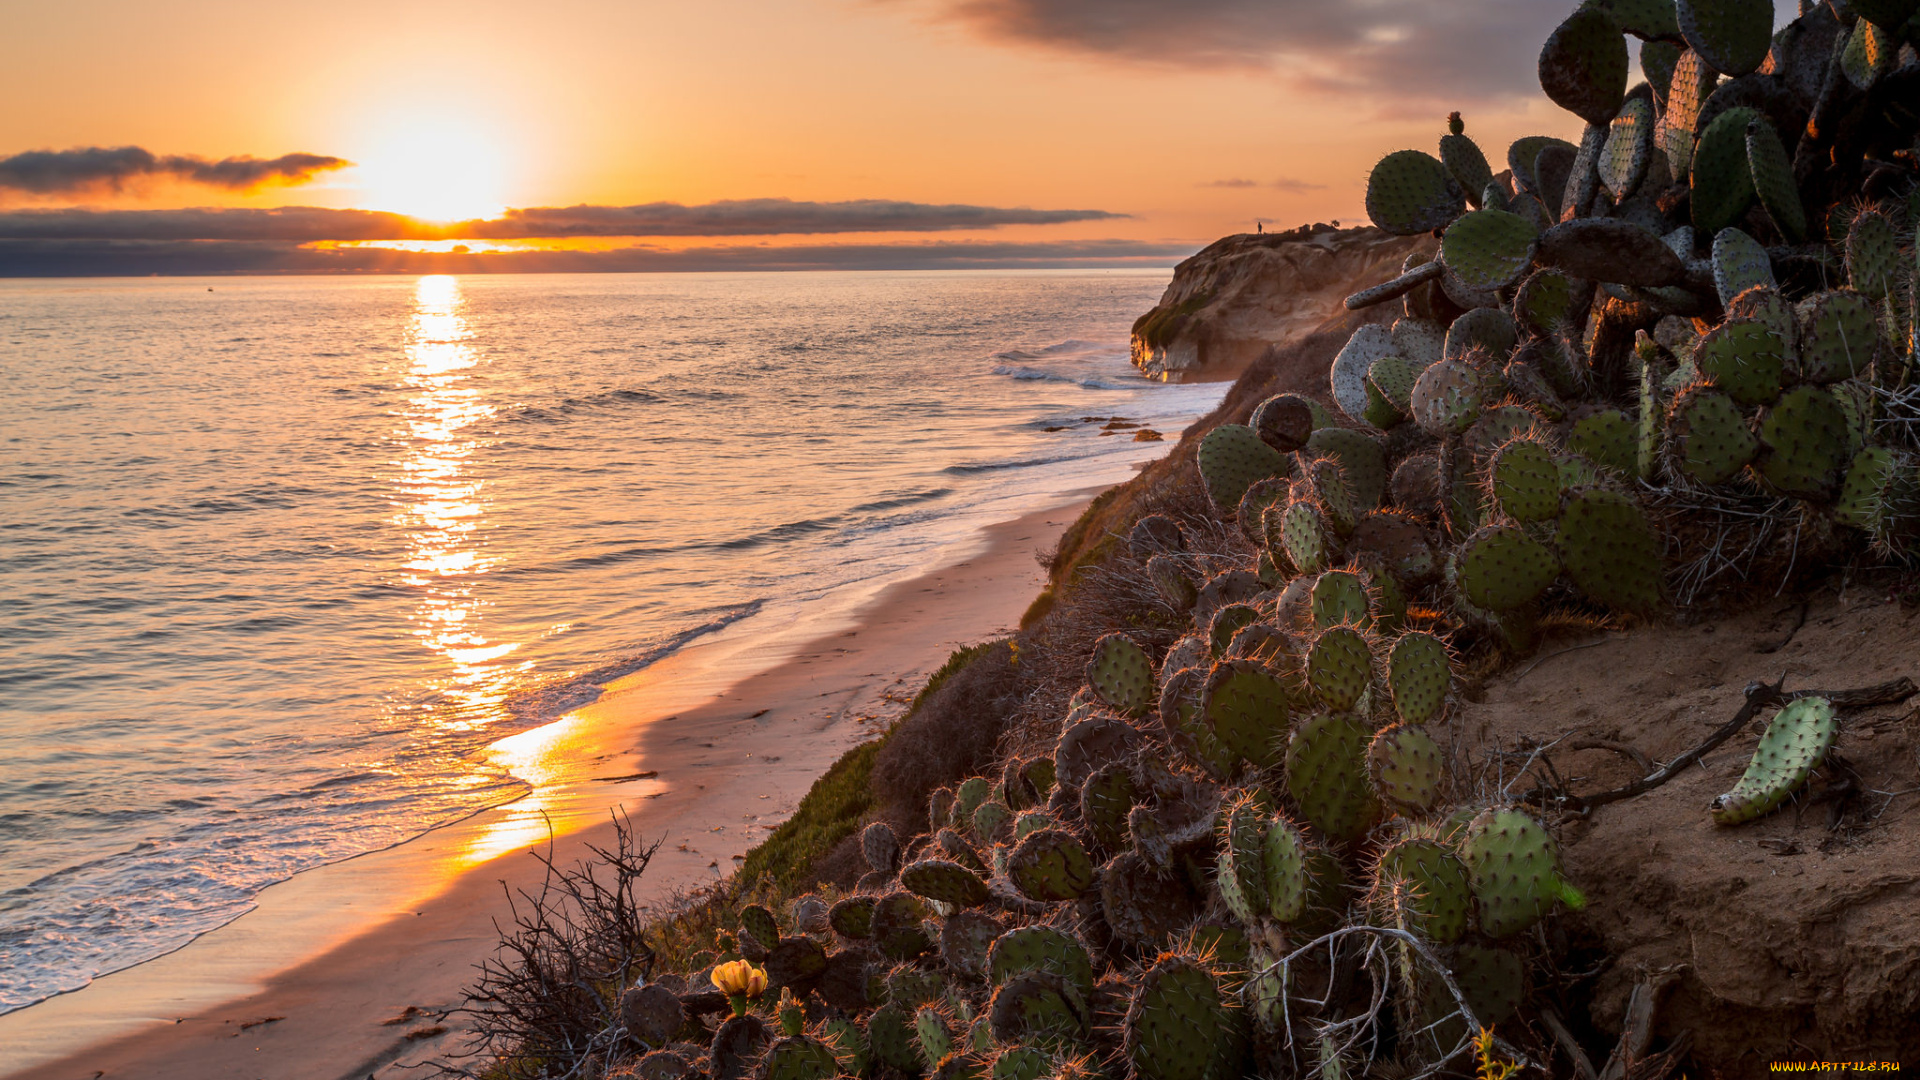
(443, 509)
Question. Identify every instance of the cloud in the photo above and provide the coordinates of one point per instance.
(100, 258)
(739, 217)
(1294, 186)
(1391, 49)
(57, 172)
(1236, 183)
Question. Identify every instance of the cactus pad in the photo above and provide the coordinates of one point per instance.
(1121, 674)
(1739, 264)
(1795, 743)
(1438, 885)
(1339, 667)
(1348, 375)
(1722, 188)
(1420, 674)
(1306, 537)
(1449, 396)
(1501, 568)
(892, 1041)
(1804, 436)
(1731, 35)
(1709, 436)
(1240, 872)
(947, 882)
(965, 938)
(1525, 481)
(852, 917)
(1284, 421)
(1465, 162)
(1050, 865)
(1409, 193)
(1583, 66)
(1608, 438)
(1340, 596)
(1629, 148)
(1489, 249)
(1042, 950)
(759, 922)
(1363, 463)
(799, 1058)
(896, 927)
(1246, 709)
(1837, 336)
(1105, 800)
(1231, 459)
(1610, 551)
(1745, 359)
(880, 847)
(1515, 871)
(1493, 980)
(1773, 181)
(1326, 770)
(1179, 1026)
(1142, 903)
(1406, 767)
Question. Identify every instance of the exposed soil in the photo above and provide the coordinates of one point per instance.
(1795, 937)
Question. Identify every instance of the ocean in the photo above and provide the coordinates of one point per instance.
(280, 557)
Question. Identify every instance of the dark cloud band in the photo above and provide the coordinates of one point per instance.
(741, 217)
(58, 172)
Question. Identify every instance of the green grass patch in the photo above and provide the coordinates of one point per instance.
(1157, 327)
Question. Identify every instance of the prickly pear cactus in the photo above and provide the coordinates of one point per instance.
(1795, 743)
(1326, 771)
(1050, 865)
(1515, 872)
(1180, 1026)
(947, 882)
(1407, 768)
(1232, 458)
(1121, 674)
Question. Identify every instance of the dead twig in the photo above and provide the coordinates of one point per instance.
(1638, 756)
(1759, 696)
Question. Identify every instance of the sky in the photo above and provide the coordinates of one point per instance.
(725, 134)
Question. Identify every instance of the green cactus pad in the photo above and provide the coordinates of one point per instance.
(1246, 709)
(1041, 950)
(1881, 495)
(1180, 1026)
(1657, 61)
(965, 938)
(1105, 799)
(1340, 596)
(799, 1058)
(1306, 537)
(1231, 459)
(1693, 82)
(1274, 490)
(1523, 157)
(1583, 66)
(1284, 857)
(989, 818)
(1339, 667)
(1764, 304)
(1795, 743)
(947, 882)
(1240, 872)
(892, 1041)
(1488, 249)
(1409, 193)
(1171, 581)
(1745, 359)
(1869, 53)
(1837, 336)
(1873, 255)
(1121, 674)
(1525, 481)
(1348, 375)
(852, 918)
(1486, 330)
(896, 928)
(1363, 463)
(968, 797)
(1610, 551)
(1722, 180)
(880, 847)
(759, 922)
(1465, 162)
(1421, 341)
(1709, 436)
(1544, 301)
(1773, 182)
(1326, 770)
(1406, 767)
(1501, 568)
(1804, 444)
(1731, 35)
(1227, 622)
(1420, 675)
(1493, 980)
(1608, 438)
(1144, 904)
(1449, 396)
(1036, 1009)
(1439, 890)
(1050, 865)
(1739, 264)
(1514, 868)
(1629, 147)
(1392, 377)
(1021, 1063)
(930, 1030)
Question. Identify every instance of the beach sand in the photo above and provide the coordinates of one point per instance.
(317, 983)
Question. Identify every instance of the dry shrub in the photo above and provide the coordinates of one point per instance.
(950, 735)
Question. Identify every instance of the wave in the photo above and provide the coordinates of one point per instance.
(968, 468)
(548, 703)
(1091, 382)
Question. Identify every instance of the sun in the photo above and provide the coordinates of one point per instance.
(437, 168)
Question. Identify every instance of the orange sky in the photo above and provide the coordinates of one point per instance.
(588, 101)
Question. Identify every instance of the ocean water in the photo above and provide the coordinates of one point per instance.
(280, 557)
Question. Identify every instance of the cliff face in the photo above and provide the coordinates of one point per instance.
(1228, 303)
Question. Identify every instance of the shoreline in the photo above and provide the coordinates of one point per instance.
(308, 979)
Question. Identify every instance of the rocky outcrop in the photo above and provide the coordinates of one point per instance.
(1242, 293)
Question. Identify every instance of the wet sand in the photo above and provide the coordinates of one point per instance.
(317, 982)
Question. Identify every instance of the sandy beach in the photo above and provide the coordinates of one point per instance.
(345, 971)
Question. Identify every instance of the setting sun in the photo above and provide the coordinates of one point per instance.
(436, 168)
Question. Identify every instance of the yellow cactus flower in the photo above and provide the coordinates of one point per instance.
(740, 980)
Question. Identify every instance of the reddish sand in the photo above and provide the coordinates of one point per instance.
(317, 982)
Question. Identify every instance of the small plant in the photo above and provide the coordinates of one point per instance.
(740, 980)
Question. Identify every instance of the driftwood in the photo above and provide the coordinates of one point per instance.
(1759, 696)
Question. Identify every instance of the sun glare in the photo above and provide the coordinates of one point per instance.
(438, 169)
